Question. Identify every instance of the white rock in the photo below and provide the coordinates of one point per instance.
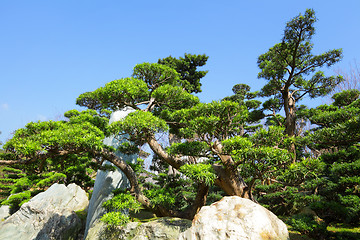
(235, 218)
(4, 212)
(107, 181)
(48, 215)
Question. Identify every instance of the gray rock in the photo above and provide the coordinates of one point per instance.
(107, 181)
(4, 212)
(160, 229)
(235, 218)
(48, 215)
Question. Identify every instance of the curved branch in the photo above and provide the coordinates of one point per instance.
(150, 106)
(158, 149)
(134, 186)
(14, 162)
(218, 149)
(141, 103)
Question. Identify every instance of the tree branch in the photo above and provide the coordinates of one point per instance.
(158, 149)
(200, 200)
(14, 162)
(129, 173)
(218, 149)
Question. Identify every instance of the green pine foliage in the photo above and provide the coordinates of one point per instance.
(309, 225)
(337, 139)
(16, 200)
(171, 191)
(187, 68)
(292, 70)
(22, 181)
(200, 172)
(9, 177)
(113, 219)
(17, 187)
(119, 207)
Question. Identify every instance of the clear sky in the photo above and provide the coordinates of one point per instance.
(52, 51)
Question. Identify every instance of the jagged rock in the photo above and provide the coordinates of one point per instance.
(160, 229)
(235, 218)
(107, 181)
(48, 215)
(4, 212)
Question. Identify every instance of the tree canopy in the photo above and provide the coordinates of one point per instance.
(290, 68)
(187, 68)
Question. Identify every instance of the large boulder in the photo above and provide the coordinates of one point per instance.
(107, 181)
(160, 229)
(235, 218)
(48, 215)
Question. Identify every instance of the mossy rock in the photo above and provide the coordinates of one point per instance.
(162, 228)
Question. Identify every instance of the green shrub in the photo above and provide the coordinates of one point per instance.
(309, 225)
(113, 219)
(118, 208)
(16, 200)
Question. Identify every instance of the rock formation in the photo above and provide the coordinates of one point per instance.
(48, 215)
(107, 181)
(235, 218)
(160, 229)
(4, 212)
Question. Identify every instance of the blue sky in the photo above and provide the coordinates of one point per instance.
(52, 51)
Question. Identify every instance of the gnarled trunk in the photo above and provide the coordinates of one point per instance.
(290, 121)
(230, 181)
(290, 114)
(229, 178)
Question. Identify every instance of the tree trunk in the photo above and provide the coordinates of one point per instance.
(290, 114)
(229, 178)
(231, 182)
(173, 139)
(200, 201)
(290, 121)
